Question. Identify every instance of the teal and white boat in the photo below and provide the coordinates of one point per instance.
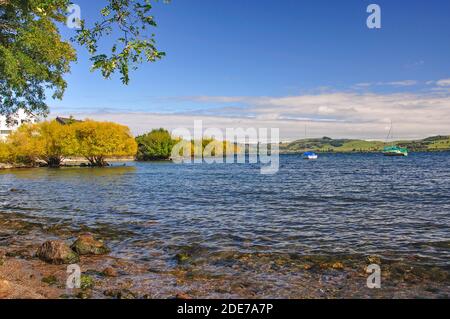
(395, 151)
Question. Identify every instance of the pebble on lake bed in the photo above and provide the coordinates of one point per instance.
(110, 272)
(183, 296)
(337, 266)
(119, 294)
(5, 289)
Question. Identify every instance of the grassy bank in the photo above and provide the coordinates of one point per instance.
(329, 145)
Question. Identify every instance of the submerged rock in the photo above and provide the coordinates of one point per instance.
(50, 280)
(84, 295)
(2, 257)
(109, 272)
(182, 296)
(119, 294)
(337, 265)
(57, 252)
(87, 282)
(86, 244)
(182, 257)
(374, 259)
(22, 254)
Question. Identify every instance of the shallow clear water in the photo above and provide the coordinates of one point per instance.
(339, 204)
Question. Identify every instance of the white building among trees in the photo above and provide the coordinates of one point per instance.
(17, 120)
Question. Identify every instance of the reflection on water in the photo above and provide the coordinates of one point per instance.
(340, 204)
(68, 172)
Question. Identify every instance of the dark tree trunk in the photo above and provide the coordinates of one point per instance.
(98, 161)
(54, 161)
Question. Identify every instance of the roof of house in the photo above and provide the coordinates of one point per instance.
(67, 120)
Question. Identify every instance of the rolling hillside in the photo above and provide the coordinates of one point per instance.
(326, 144)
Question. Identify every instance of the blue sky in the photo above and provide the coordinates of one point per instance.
(238, 59)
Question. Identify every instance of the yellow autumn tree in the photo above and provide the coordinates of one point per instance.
(100, 140)
(55, 142)
(211, 147)
(23, 144)
(48, 142)
(5, 153)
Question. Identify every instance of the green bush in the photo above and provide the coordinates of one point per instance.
(156, 145)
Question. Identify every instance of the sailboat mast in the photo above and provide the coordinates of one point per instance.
(389, 134)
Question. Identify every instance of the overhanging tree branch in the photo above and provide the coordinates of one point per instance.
(34, 58)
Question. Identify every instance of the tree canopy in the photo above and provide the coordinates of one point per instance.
(99, 140)
(5, 152)
(159, 144)
(23, 145)
(34, 58)
(51, 142)
(156, 145)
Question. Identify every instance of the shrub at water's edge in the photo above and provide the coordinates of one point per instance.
(47, 142)
(154, 146)
(50, 143)
(99, 140)
(5, 153)
(158, 145)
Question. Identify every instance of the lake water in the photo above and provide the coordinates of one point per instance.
(339, 204)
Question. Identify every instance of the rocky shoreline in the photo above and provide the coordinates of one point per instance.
(33, 270)
(68, 162)
(34, 256)
(13, 166)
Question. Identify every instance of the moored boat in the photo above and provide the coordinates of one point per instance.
(395, 151)
(310, 156)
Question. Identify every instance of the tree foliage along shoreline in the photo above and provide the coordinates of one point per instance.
(34, 58)
(98, 140)
(158, 145)
(51, 142)
(155, 145)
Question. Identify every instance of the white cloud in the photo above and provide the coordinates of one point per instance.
(349, 115)
(213, 99)
(401, 83)
(392, 83)
(443, 82)
(364, 84)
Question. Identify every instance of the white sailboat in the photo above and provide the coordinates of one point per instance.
(309, 155)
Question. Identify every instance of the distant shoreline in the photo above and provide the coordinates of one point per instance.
(358, 152)
(330, 145)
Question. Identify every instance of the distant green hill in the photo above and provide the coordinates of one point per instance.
(326, 144)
